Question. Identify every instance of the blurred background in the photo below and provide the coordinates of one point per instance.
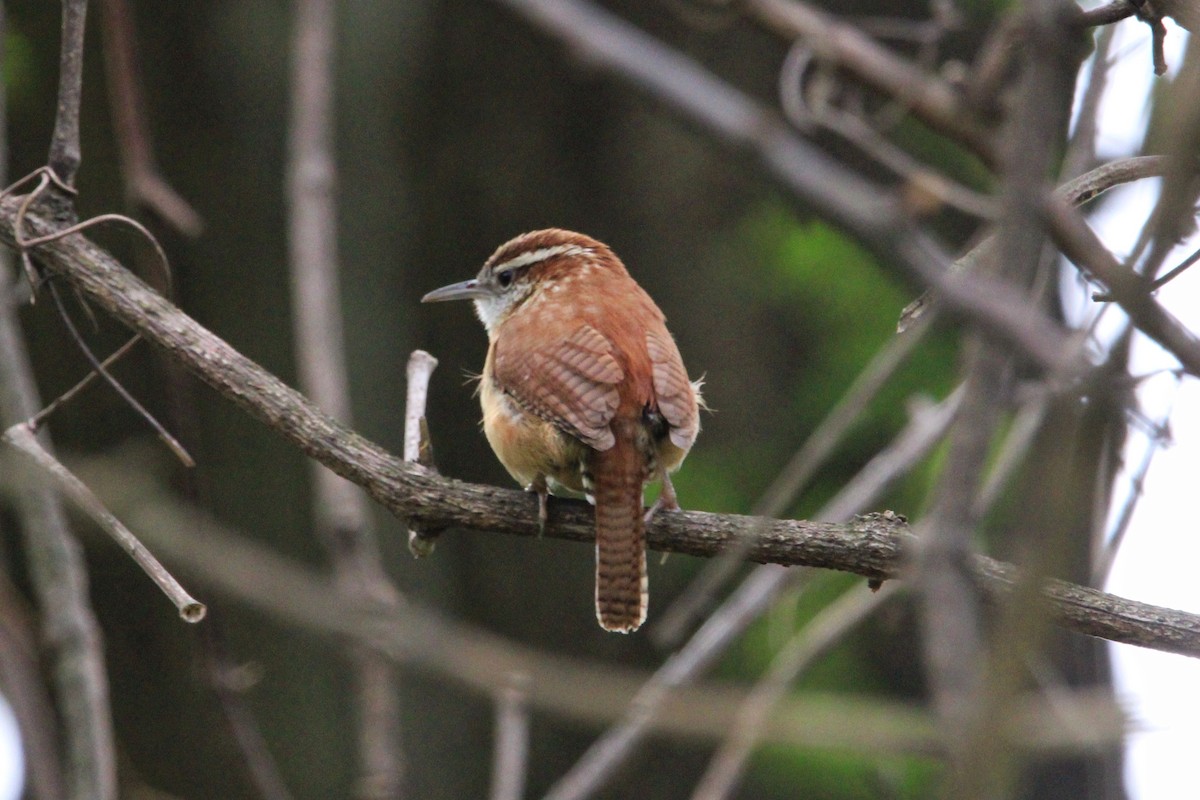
(459, 126)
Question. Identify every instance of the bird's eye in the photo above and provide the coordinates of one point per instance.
(504, 278)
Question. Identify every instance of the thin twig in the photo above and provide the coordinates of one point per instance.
(930, 97)
(417, 449)
(1173, 217)
(510, 755)
(39, 419)
(1025, 426)
(1148, 14)
(162, 262)
(1115, 11)
(98, 368)
(47, 177)
(1081, 150)
(1129, 290)
(144, 183)
(65, 154)
(792, 479)
(22, 438)
(1176, 271)
(927, 425)
(929, 183)
(1106, 553)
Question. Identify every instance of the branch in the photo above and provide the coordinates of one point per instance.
(65, 154)
(59, 578)
(871, 547)
(510, 756)
(340, 510)
(932, 99)
(22, 438)
(872, 214)
(1129, 290)
(144, 183)
(56, 567)
(483, 663)
(1115, 11)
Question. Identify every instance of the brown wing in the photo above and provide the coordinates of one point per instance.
(676, 397)
(569, 382)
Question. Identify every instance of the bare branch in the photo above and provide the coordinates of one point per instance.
(412, 493)
(39, 419)
(98, 368)
(873, 215)
(510, 760)
(60, 581)
(22, 438)
(792, 478)
(967, 682)
(417, 448)
(144, 183)
(1130, 291)
(65, 153)
(482, 662)
(1115, 11)
(931, 99)
(343, 519)
(56, 567)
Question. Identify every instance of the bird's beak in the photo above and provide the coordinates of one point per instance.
(467, 290)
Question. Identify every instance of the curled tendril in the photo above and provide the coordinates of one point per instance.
(45, 177)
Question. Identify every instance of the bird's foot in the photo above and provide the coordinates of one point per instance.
(543, 493)
(667, 500)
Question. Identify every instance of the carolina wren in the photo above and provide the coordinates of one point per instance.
(583, 389)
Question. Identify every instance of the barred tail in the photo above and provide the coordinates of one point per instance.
(622, 591)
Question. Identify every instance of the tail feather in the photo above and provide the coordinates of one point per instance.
(622, 592)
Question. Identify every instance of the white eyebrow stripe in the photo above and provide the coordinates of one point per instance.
(541, 254)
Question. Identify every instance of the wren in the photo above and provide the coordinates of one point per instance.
(583, 390)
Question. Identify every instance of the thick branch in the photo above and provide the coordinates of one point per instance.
(871, 547)
(419, 637)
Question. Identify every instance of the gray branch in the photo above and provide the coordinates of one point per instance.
(871, 547)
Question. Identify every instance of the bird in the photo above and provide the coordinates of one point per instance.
(584, 390)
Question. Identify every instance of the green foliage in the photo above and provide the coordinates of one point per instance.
(831, 775)
(833, 306)
(20, 77)
(844, 308)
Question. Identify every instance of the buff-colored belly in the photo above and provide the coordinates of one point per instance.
(528, 446)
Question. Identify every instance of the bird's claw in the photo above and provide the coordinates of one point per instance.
(667, 501)
(543, 494)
